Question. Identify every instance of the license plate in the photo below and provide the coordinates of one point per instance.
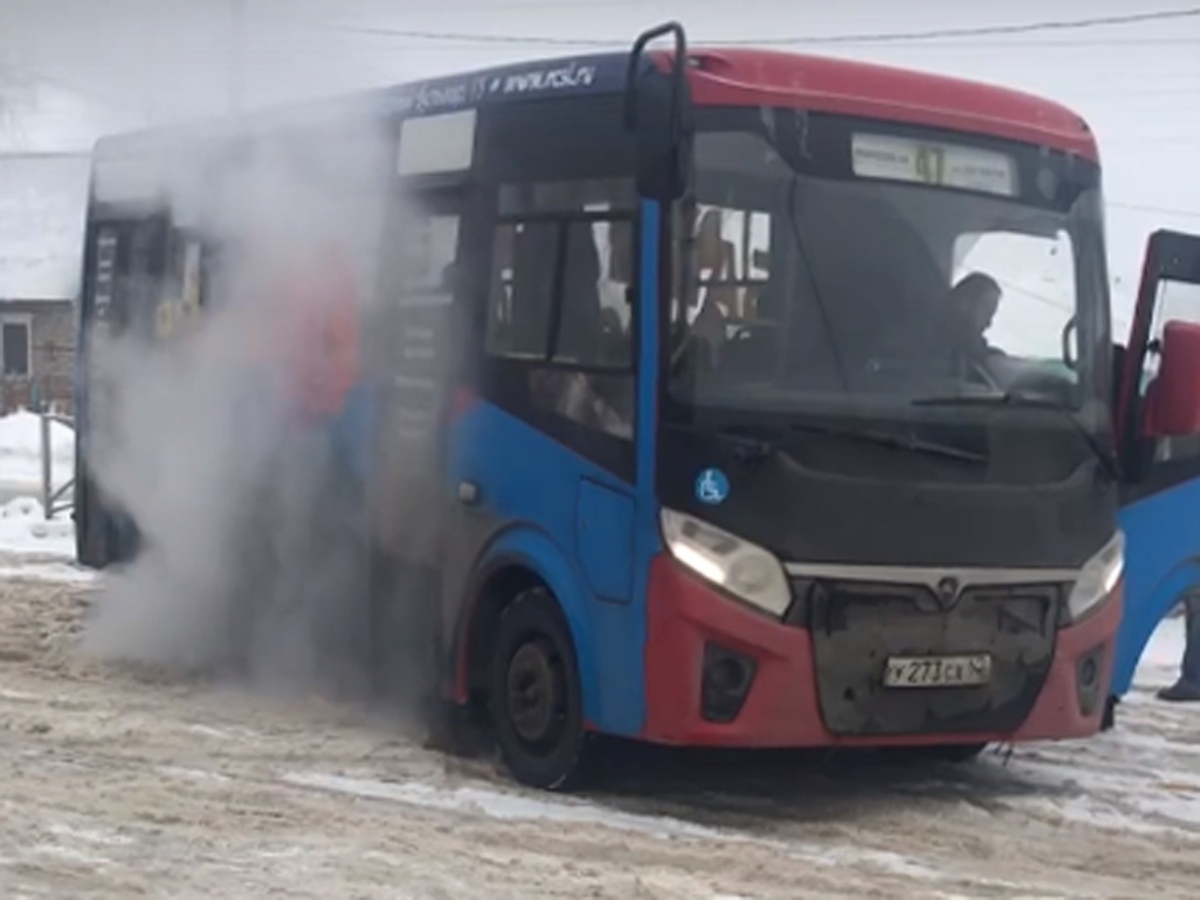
(938, 671)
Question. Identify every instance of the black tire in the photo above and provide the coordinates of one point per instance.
(90, 536)
(456, 730)
(536, 700)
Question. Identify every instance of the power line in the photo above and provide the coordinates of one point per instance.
(859, 38)
(41, 155)
(423, 42)
(1156, 210)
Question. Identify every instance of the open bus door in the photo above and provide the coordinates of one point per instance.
(124, 258)
(1158, 434)
(142, 279)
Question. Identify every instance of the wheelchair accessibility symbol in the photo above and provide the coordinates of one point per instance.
(712, 487)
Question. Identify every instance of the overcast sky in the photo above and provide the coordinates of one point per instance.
(1138, 85)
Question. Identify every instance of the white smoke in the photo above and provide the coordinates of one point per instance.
(251, 552)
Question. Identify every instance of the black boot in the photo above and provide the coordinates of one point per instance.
(1180, 692)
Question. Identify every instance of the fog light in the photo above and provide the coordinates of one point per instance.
(726, 682)
(1087, 680)
(1088, 673)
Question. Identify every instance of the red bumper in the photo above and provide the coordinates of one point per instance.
(781, 708)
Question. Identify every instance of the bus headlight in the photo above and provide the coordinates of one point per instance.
(745, 570)
(1097, 578)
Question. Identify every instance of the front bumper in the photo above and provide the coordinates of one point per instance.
(781, 707)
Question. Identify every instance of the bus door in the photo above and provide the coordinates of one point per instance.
(412, 337)
(124, 264)
(1158, 431)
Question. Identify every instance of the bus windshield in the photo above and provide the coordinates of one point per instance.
(834, 260)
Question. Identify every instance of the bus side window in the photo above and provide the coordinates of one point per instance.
(523, 273)
(140, 278)
(561, 300)
(181, 289)
(582, 339)
(562, 272)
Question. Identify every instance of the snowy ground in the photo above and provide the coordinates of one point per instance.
(117, 783)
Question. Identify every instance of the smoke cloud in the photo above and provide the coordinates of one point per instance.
(252, 559)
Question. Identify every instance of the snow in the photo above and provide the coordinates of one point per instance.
(1132, 780)
(311, 798)
(21, 450)
(513, 807)
(25, 531)
(43, 546)
(1160, 661)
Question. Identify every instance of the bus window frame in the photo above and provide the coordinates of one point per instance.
(576, 139)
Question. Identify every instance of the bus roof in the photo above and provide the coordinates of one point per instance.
(719, 76)
(739, 76)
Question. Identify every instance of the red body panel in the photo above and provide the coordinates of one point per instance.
(743, 77)
(781, 709)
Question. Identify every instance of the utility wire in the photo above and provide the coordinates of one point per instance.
(423, 42)
(37, 155)
(859, 38)
(1156, 210)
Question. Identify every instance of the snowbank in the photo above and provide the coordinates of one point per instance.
(25, 531)
(21, 451)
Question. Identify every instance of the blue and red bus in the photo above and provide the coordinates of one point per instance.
(733, 398)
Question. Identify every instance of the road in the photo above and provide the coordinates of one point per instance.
(117, 783)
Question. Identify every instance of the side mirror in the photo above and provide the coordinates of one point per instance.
(658, 115)
(1174, 399)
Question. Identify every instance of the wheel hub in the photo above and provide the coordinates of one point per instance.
(535, 691)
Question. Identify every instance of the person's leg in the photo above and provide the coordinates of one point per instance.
(1187, 688)
(1191, 653)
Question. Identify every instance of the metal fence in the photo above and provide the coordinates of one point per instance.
(61, 499)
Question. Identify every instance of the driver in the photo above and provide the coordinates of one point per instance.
(971, 307)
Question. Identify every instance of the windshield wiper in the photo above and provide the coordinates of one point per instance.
(749, 443)
(995, 399)
(895, 441)
(1104, 454)
(755, 443)
(752, 446)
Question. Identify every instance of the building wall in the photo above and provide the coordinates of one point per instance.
(49, 381)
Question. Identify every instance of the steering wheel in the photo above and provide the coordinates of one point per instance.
(977, 372)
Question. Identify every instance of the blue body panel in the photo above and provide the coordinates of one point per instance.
(529, 490)
(1162, 562)
(604, 541)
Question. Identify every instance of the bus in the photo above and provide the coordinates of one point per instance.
(717, 397)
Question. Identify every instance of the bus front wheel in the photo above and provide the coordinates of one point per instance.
(536, 699)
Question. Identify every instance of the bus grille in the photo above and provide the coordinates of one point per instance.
(856, 627)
